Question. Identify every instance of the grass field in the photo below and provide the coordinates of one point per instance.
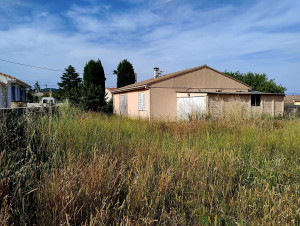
(76, 168)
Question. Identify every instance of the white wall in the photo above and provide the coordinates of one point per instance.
(8, 95)
(1, 96)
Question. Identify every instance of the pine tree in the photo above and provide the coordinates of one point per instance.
(70, 85)
(125, 74)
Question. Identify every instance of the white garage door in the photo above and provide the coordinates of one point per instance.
(190, 106)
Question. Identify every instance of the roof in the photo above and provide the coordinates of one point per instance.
(152, 81)
(17, 80)
(291, 98)
(111, 89)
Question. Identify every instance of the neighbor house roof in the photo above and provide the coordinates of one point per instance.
(291, 98)
(111, 89)
(17, 80)
(152, 81)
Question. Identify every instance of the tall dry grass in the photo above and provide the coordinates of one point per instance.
(80, 168)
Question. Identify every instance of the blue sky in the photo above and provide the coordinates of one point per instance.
(257, 36)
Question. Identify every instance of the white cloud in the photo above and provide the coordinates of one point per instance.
(173, 38)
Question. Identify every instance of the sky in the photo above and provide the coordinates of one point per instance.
(232, 35)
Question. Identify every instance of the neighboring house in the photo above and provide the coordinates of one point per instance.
(13, 91)
(109, 94)
(40, 93)
(292, 99)
(200, 90)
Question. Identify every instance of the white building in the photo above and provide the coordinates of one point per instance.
(12, 90)
(109, 94)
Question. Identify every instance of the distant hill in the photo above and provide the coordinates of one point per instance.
(54, 90)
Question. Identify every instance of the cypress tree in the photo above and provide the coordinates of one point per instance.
(125, 74)
(94, 86)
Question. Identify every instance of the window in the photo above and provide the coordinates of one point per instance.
(13, 93)
(142, 102)
(21, 94)
(255, 100)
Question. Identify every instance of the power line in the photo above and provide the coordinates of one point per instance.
(27, 65)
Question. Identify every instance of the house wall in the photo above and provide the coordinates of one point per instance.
(205, 80)
(221, 105)
(133, 102)
(2, 98)
(163, 103)
(9, 97)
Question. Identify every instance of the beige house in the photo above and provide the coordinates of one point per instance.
(196, 91)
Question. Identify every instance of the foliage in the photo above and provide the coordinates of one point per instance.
(37, 87)
(93, 95)
(70, 85)
(30, 97)
(125, 74)
(94, 74)
(94, 169)
(258, 82)
(109, 108)
(93, 98)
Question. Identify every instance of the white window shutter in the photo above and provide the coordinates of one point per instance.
(141, 101)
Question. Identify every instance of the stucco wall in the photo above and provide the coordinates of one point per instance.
(163, 103)
(205, 79)
(2, 97)
(133, 101)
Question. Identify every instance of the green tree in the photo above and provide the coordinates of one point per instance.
(37, 87)
(258, 82)
(70, 85)
(125, 74)
(93, 86)
(109, 108)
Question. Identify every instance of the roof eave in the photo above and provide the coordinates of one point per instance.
(20, 82)
(122, 90)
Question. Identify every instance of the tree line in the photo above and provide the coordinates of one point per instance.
(258, 82)
(89, 92)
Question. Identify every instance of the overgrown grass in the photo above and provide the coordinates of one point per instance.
(87, 168)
